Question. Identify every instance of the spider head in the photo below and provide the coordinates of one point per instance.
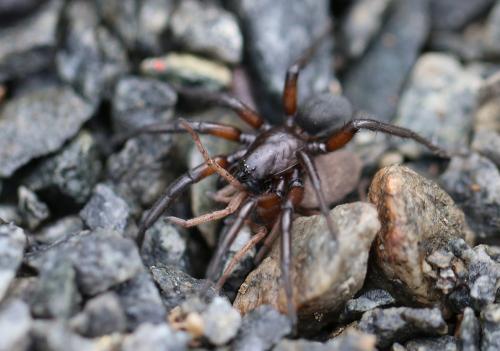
(246, 175)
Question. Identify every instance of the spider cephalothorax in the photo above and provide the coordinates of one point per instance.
(266, 176)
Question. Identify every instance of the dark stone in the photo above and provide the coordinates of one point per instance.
(277, 34)
(32, 210)
(455, 14)
(369, 300)
(15, 325)
(72, 172)
(375, 83)
(156, 337)
(261, 329)
(12, 243)
(13, 10)
(38, 123)
(490, 323)
(141, 301)
(55, 335)
(402, 323)
(90, 59)
(469, 332)
(106, 210)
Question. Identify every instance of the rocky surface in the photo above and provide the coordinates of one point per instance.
(12, 243)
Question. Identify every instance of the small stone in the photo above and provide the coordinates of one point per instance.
(402, 323)
(33, 211)
(12, 243)
(487, 116)
(443, 343)
(101, 315)
(469, 332)
(10, 213)
(361, 24)
(301, 345)
(475, 182)
(59, 230)
(273, 46)
(417, 218)
(454, 15)
(91, 58)
(221, 321)
(15, 325)
(438, 103)
(56, 294)
(487, 143)
(164, 245)
(388, 60)
(141, 301)
(369, 300)
(28, 46)
(186, 69)
(490, 323)
(491, 39)
(207, 29)
(260, 329)
(72, 172)
(353, 340)
(325, 274)
(155, 337)
(38, 123)
(55, 335)
(104, 259)
(105, 210)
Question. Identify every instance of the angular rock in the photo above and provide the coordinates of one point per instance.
(58, 230)
(469, 332)
(15, 325)
(490, 323)
(38, 123)
(101, 315)
(402, 323)
(447, 343)
(207, 29)
(12, 243)
(273, 45)
(155, 337)
(28, 46)
(375, 83)
(140, 299)
(261, 329)
(417, 218)
(32, 210)
(474, 181)
(106, 210)
(487, 143)
(221, 321)
(361, 24)
(454, 15)
(188, 70)
(72, 172)
(369, 300)
(91, 58)
(438, 103)
(325, 273)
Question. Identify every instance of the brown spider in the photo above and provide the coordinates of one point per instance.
(266, 176)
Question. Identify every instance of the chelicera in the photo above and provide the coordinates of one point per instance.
(266, 176)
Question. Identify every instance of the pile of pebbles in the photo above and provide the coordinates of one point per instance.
(417, 264)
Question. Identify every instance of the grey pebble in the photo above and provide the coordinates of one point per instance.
(15, 326)
(12, 243)
(156, 337)
(33, 211)
(28, 46)
(207, 29)
(491, 39)
(490, 323)
(443, 343)
(261, 329)
(369, 300)
(402, 323)
(375, 83)
(10, 213)
(91, 58)
(469, 332)
(38, 123)
(474, 181)
(487, 143)
(455, 14)
(106, 210)
(221, 321)
(58, 230)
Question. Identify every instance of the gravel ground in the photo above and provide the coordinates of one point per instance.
(417, 263)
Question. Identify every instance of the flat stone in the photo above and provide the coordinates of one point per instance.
(418, 218)
(454, 15)
(12, 243)
(369, 300)
(105, 210)
(38, 123)
(438, 103)
(260, 329)
(32, 210)
(475, 182)
(325, 273)
(207, 29)
(155, 337)
(402, 323)
(15, 325)
(72, 172)
(388, 60)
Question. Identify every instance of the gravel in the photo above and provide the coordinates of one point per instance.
(12, 243)
(32, 210)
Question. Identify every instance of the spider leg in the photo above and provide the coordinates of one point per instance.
(239, 256)
(312, 172)
(347, 132)
(233, 205)
(223, 195)
(247, 114)
(268, 243)
(219, 130)
(227, 240)
(290, 91)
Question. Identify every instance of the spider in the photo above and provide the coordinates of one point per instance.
(266, 176)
